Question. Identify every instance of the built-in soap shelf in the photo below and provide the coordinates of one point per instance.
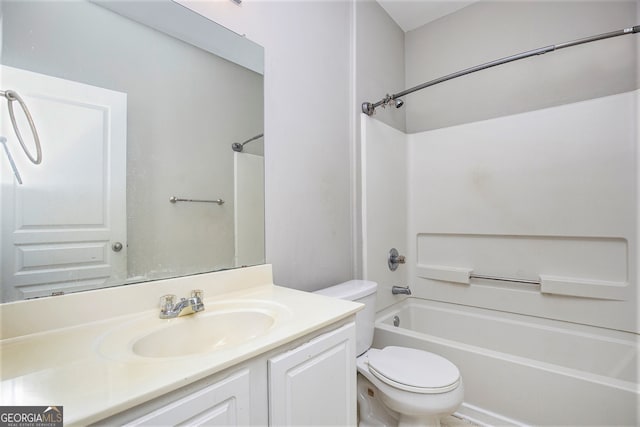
(584, 267)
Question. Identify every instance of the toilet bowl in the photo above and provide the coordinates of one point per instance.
(418, 386)
(414, 387)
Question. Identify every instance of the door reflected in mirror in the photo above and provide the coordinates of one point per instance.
(128, 117)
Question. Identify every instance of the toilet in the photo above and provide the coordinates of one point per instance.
(397, 385)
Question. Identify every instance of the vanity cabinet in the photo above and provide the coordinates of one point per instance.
(310, 381)
(230, 398)
(315, 383)
(224, 403)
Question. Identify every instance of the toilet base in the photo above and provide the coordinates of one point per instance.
(372, 411)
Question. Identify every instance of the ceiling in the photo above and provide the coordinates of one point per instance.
(411, 14)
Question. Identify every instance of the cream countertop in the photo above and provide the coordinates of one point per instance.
(88, 367)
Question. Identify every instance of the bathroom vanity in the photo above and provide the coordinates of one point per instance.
(258, 354)
(303, 383)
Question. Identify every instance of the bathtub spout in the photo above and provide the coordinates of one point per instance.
(401, 290)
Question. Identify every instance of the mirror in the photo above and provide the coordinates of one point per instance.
(137, 105)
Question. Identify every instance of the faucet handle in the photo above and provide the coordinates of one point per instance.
(196, 300)
(167, 302)
(395, 259)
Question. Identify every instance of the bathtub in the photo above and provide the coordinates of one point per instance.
(523, 370)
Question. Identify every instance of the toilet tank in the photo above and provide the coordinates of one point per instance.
(362, 291)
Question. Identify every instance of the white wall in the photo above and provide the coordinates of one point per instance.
(489, 30)
(308, 133)
(380, 60)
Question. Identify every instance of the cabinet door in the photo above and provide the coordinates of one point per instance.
(225, 403)
(315, 384)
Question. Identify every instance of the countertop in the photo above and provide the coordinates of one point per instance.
(84, 368)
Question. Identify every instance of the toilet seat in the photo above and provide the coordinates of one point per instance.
(413, 370)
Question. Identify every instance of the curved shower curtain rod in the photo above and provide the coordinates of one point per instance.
(369, 108)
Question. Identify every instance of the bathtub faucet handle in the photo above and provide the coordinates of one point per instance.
(395, 259)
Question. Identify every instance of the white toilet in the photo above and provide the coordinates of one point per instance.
(415, 387)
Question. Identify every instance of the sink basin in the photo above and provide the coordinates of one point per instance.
(201, 333)
(222, 325)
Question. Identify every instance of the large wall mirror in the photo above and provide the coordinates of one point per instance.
(137, 106)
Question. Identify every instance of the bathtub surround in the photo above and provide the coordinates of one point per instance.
(548, 195)
(444, 46)
(385, 202)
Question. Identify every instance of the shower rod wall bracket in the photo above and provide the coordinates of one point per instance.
(239, 146)
(393, 100)
(369, 108)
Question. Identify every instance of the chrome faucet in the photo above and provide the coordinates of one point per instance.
(170, 309)
(400, 290)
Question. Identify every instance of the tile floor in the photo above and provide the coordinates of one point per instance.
(452, 421)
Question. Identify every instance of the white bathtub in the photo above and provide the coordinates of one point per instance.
(523, 370)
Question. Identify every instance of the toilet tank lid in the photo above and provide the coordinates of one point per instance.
(351, 290)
